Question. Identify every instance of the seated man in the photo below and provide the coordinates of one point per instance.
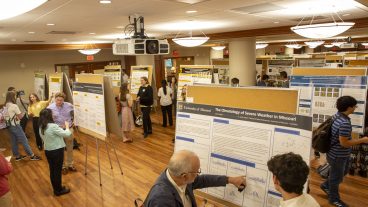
(174, 187)
(290, 173)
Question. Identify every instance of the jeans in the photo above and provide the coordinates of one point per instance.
(55, 159)
(339, 168)
(17, 135)
(167, 110)
(36, 130)
(147, 124)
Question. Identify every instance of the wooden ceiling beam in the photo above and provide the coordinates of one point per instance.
(50, 46)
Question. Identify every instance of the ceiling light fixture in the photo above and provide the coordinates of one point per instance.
(12, 8)
(314, 44)
(294, 45)
(50, 24)
(328, 45)
(89, 49)
(190, 41)
(191, 11)
(276, 22)
(324, 30)
(365, 43)
(338, 43)
(92, 33)
(219, 47)
(105, 2)
(261, 45)
(31, 32)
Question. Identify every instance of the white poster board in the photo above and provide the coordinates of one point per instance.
(39, 85)
(318, 96)
(115, 75)
(135, 78)
(89, 107)
(55, 83)
(237, 142)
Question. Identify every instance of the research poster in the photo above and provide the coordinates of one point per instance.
(184, 81)
(89, 107)
(55, 83)
(236, 142)
(115, 75)
(192, 76)
(135, 82)
(39, 84)
(318, 96)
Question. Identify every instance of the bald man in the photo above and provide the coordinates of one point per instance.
(174, 187)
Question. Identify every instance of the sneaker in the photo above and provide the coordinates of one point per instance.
(35, 157)
(326, 190)
(344, 203)
(72, 169)
(338, 204)
(20, 158)
(65, 190)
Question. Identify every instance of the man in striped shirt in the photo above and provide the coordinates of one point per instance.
(339, 153)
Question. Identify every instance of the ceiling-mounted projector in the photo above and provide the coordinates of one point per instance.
(140, 47)
(139, 43)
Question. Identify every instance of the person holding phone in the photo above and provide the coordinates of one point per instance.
(53, 138)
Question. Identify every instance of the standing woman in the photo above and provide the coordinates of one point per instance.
(53, 138)
(145, 98)
(165, 95)
(126, 112)
(174, 89)
(16, 132)
(34, 109)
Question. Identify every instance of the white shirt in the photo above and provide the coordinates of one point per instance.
(165, 99)
(13, 111)
(304, 200)
(181, 190)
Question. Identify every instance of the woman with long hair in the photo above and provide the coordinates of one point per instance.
(126, 112)
(145, 98)
(34, 109)
(53, 138)
(17, 135)
(165, 95)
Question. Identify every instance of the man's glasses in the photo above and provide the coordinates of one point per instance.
(198, 172)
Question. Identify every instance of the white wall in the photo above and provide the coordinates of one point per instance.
(17, 67)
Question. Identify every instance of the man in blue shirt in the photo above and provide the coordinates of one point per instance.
(339, 153)
(62, 112)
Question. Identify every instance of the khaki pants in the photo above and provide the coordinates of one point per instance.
(68, 161)
(6, 200)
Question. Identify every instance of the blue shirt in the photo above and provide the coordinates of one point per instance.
(341, 127)
(61, 114)
(53, 137)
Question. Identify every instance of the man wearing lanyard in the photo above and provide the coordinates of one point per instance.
(61, 112)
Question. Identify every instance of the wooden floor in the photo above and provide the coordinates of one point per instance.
(142, 161)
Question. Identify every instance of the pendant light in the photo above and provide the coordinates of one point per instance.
(89, 49)
(13, 8)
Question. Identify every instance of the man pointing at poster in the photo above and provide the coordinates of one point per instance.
(62, 112)
(174, 187)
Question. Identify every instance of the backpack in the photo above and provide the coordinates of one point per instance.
(5, 119)
(321, 137)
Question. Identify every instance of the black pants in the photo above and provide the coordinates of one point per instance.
(167, 110)
(55, 159)
(147, 124)
(23, 123)
(36, 130)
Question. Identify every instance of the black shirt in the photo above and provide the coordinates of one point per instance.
(146, 95)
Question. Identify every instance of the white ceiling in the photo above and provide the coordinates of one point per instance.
(164, 18)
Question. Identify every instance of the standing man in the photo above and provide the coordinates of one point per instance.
(62, 112)
(340, 149)
(174, 187)
(290, 173)
(23, 106)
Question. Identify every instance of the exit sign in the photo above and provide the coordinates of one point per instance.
(90, 57)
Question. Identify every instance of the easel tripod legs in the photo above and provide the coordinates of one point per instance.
(108, 153)
(116, 155)
(98, 161)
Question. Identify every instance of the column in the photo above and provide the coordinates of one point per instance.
(242, 61)
(289, 51)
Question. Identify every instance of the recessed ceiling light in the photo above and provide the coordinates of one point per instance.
(50, 24)
(31, 32)
(13, 40)
(92, 33)
(276, 22)
(105, 2)
(345, 15)
(191, 11)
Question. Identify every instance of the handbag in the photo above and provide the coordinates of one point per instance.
(139, 120)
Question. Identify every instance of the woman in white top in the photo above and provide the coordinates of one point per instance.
(165, 94)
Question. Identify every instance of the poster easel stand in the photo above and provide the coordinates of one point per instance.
(98, 155)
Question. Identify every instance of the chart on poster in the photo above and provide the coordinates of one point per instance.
(318, 96)
(236, 142)
(89, 107)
